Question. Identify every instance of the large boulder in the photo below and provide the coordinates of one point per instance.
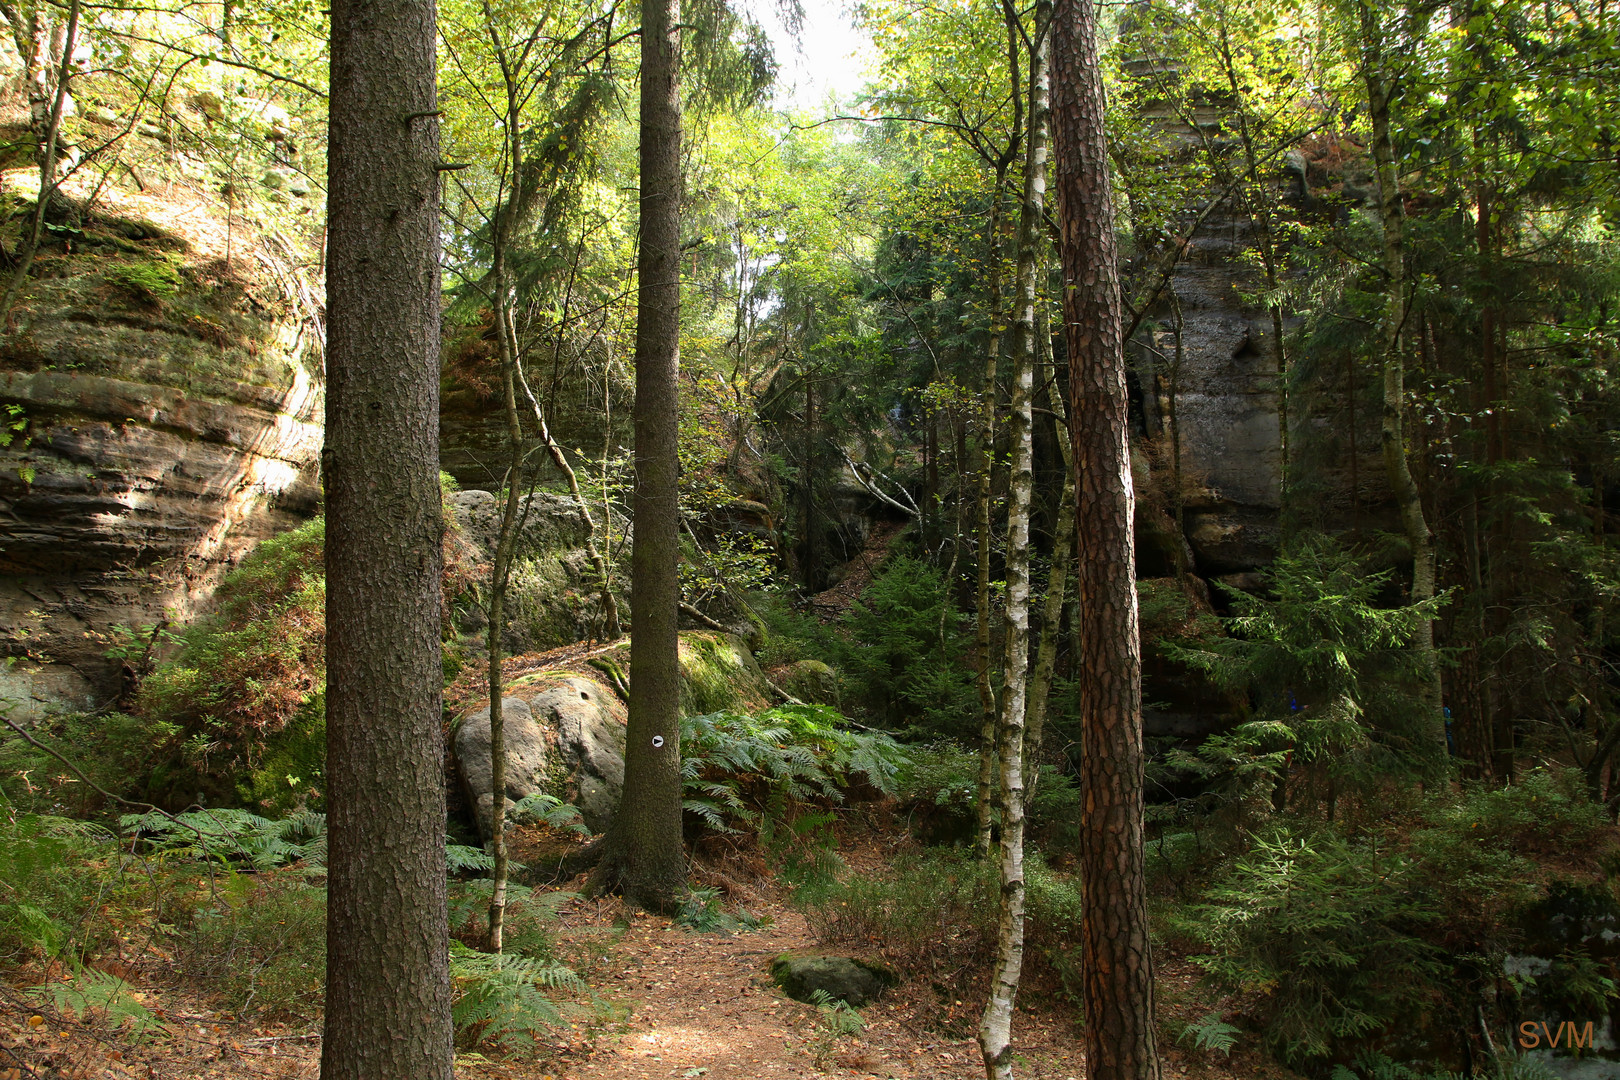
(526, 757)
(565, 731)
(552, 595)
(841, 978)
(564, 736)
(812, 681)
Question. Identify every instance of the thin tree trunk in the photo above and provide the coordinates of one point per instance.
(995, 1027)
(1040, 678)
(47, 165)
(644, 852)
(599, 563)
(388, 980)
(500, 575)
(984, 796)
(1380, 92)
(1116, 955)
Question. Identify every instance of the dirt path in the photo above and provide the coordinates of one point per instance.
(703, 1005)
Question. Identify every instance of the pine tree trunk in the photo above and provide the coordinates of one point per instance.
(644, 852)
(388, 985)
(1380, 88)
(995, 1026)
(1117, 959)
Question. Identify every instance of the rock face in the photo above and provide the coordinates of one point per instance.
(841, 978)
(564, 736)
(165, 417)
(552, 596)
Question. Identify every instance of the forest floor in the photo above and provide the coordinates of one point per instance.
(669, 1002)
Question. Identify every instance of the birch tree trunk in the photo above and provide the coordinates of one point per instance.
(1380, 84)
(984, 797)
(995, 1026)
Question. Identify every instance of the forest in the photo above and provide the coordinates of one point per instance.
(532, 547)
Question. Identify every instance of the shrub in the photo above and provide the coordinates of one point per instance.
(1331, 681)
(261, 940)
(55, 881)
(116, 751)
(1548, 811)
(937, 912)
(904, 653)
(934, 912)
(245, 673)
(1326, 932)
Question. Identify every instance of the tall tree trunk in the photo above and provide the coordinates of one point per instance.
(984, 796)
(1117, 959)
(995, 1027)
(388, 983)
(500, 575)
(644, 851)
(1380, 93)
(1040, 677)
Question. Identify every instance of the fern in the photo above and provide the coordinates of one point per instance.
(462, 859)
(232, 836)
(1212, 1033)
(90, 992)
(543, 809)
(499, 999)
(733, 766)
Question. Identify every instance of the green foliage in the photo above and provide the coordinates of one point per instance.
(92, 995)
(232, 837)
(1370, 1065)
(1547, 811)
(937, 911)
(115, 750)
(733, 765)
(1330, 678)
(499, 999)
(1327, 932)
(835, 1019)
(543, 809)
(246, 675)
(154, 281)
(904, 653)
(1212, 1032)
(526, 923)
(942, 774)
(702, 912)
(261, 940)
(790, 634)
(55, 880)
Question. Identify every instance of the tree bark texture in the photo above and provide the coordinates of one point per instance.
(388, 985)
(1118, 988)
(1380, 93)
(984, 794)
(995, 1026)
(646, 848)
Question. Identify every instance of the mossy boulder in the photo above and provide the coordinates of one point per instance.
(718, 672)
(841, 978)
(811, 681)
(552, 597)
